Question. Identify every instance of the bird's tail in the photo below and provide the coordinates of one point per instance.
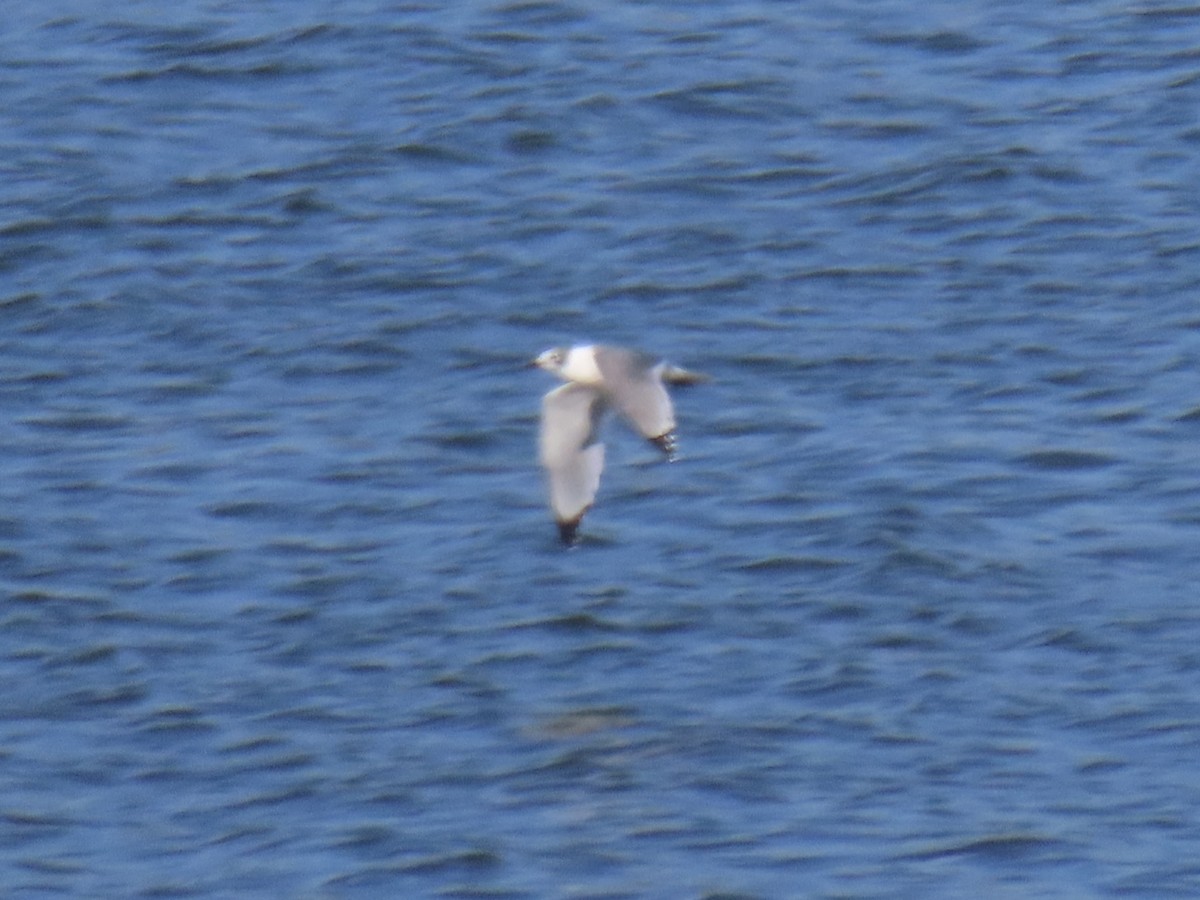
(678, 375)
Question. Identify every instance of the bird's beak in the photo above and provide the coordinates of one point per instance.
(534, 363)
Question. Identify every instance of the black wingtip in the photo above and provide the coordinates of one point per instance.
(568, 532)
(667, 444)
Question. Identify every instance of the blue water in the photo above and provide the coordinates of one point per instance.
(282, 612)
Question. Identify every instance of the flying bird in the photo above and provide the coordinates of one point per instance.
(599, 378)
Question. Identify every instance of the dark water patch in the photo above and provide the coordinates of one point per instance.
(1061, 174)
(207, 219)
(98, 698)
(508, 37)
(864, 275)
(45, 866)
(779, 564)
(1102, 764)
(896, 188)
(169, 890)
(1189, 516)
(423, 152)
(190, 72)
(598, 102)
(180, 472)
(1065, 460)
(995, 848)
(1106, 394)
(307, 714)
(319, 369)
(572, 622)
(54, 226)
(978, 626)
(53, 597)
(797, 175)
(1120, 416)
(1076, 640)
(1069, 377)
(889, 130)
(182, 389)
(613, 647)
(464, 863)
(20, 302)
(903, 641)
(282, 762)
(955, 43)
(12, 527)
(1167, 13)
(250, 509)
(531, 141)
(81, 420)
(315, 587)
(84, 657)
(305, 790)
(176, 720)
(210, 184)
(1133, 553)
(302, 202)
(1178, 250)
(543, 12)
(585, 760)
(645, 290)
(202, 583)
(20, 818)
(474, 441)
(80, 487)
(199, 40)
(1164, 881)
(770, 362)
(325, 169)
(1054, 288)
(909, 559)
(1129, 720)
(698, 186)
(842, 682)
(254, 744)
(734, 100)
(841, 611)
(242, 834)
(371, 839)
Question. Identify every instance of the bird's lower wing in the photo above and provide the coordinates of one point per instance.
(570, 452)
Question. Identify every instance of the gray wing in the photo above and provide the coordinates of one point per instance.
(570, 452)
(633, 385)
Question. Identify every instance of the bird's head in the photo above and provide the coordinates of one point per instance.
(551, 360)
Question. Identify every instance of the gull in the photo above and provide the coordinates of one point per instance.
(599, 378)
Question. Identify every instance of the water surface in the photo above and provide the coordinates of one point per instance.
(281, 610)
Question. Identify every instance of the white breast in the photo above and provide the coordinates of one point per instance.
(580, 366)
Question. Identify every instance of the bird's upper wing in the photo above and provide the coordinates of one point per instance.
(633, 386)
(570, 452)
